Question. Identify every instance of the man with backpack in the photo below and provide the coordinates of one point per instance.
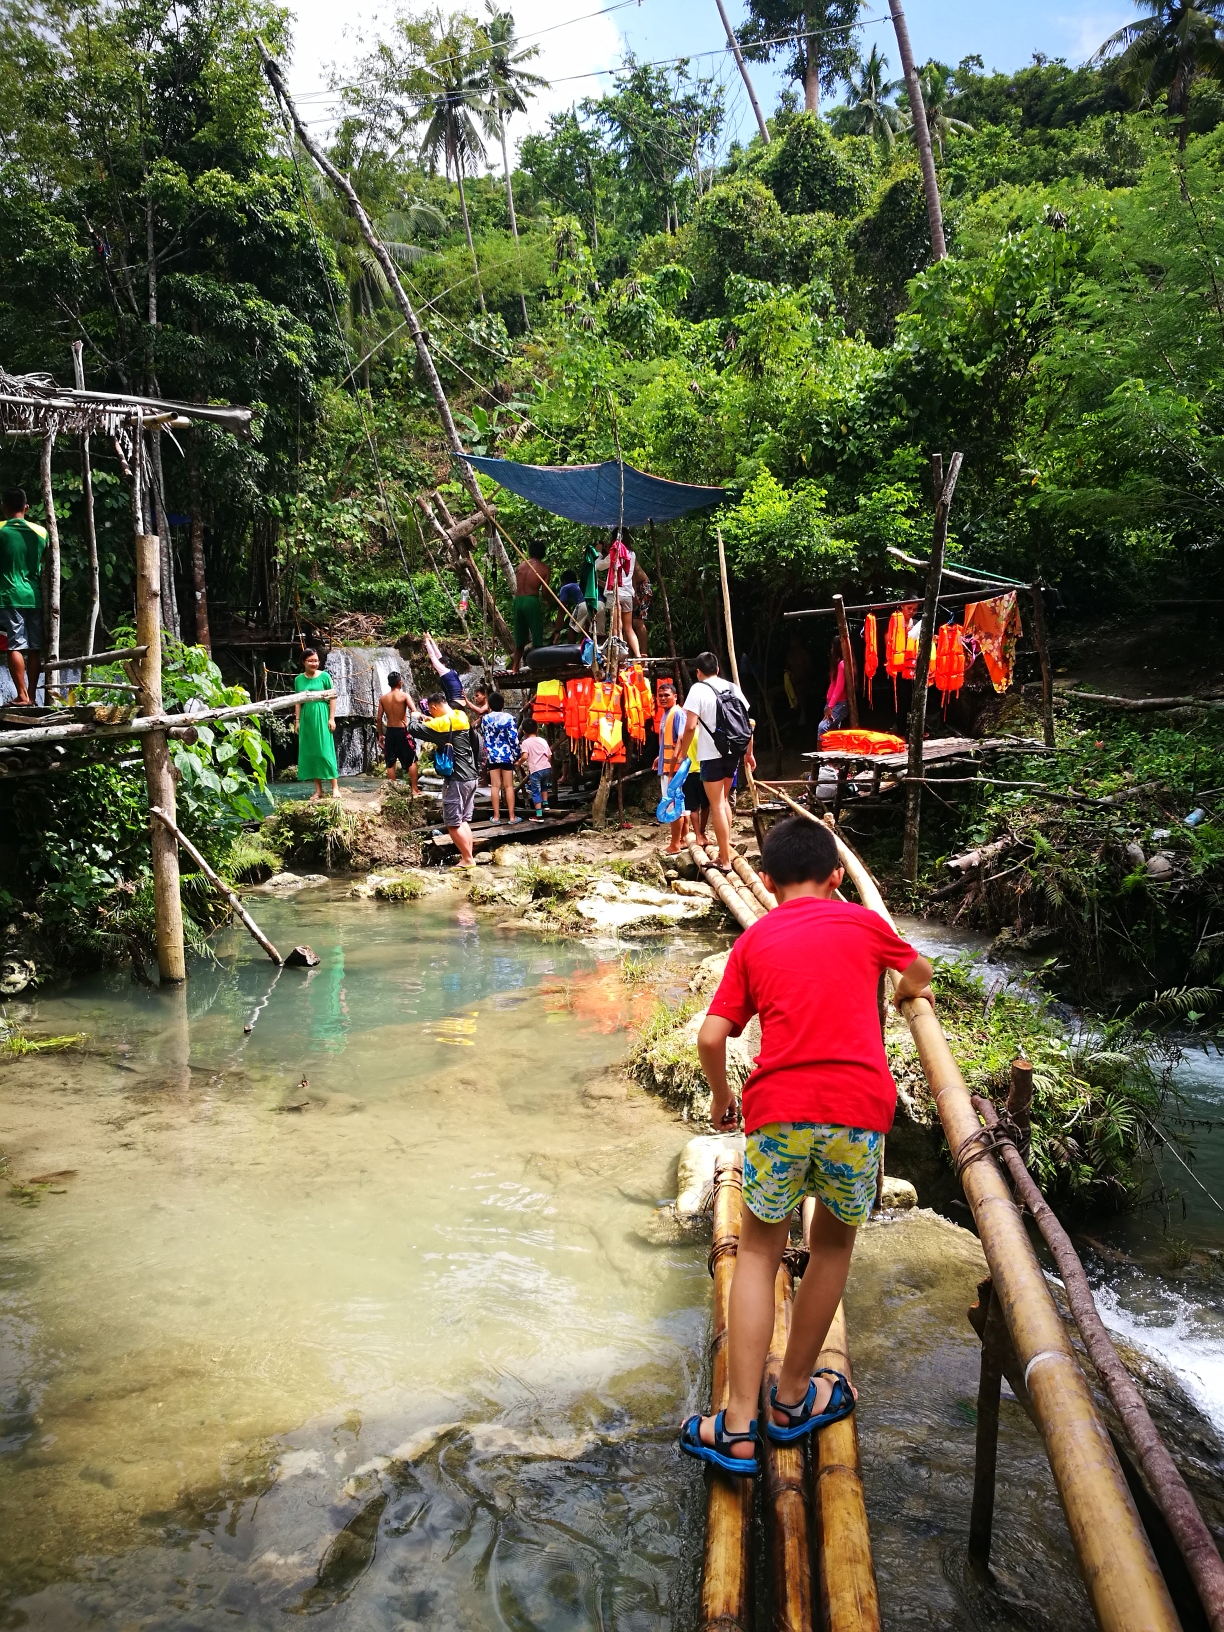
(717, 713)
(457, 754)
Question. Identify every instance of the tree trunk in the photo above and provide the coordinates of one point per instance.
(159, 772)
(52, 632)
(91, 533)
(203, 634)
(743, 69)
(467, 230)
(917, 723)
(169, 599)
(501, 128)
(811, 67)
(922, 133)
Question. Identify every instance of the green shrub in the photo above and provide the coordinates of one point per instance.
(399, 889)
(314, 832)
(251, 860)
(544, 882)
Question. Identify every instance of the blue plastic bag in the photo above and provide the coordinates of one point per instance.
(671, 807)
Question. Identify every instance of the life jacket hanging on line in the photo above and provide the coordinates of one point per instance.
(871, 655)
(949, 661)
(895, 646)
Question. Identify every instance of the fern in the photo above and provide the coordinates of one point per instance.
(1179, 1003)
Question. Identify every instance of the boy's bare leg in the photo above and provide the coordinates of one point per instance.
(509, 796)
(495, 788)
(412, 779)
(820, 1291)
(750, 1321)
(720, 818)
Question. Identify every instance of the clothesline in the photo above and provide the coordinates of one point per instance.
(982, 593)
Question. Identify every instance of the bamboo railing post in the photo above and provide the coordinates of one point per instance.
(91, 534)
(51, 634)
(843, 630)
(217, 883)
(785, 1490)
(1043, 653)
(986, 1447)
(731, 657)
(1120, 1573)
(726, 1568)
(1020, 1103)
(849, 1598)
(671, 638)
(159, 773)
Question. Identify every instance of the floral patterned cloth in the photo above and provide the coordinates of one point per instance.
(786, 1161)
(996, 623)
(501, 738)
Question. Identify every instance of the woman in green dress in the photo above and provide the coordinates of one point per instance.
(316, 749)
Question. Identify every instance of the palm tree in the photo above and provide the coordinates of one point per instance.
(509, 86)
(452, 83)
(933, 83)
(1166, 51)
(870, 113)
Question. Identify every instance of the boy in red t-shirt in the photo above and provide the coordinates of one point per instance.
(816, 1109)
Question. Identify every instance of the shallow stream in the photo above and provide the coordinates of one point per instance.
(348, 1316)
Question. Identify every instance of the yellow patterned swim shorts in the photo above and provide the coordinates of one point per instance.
(785, 1161)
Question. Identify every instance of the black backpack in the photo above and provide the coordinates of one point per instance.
(732, 728)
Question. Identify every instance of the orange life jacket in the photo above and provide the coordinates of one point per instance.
(895, 650)
(862, 742)
(638, 702)
(949, 661)
(577, 707)
(871, 654)
(605, 701)
(549, 705)
(610, 743)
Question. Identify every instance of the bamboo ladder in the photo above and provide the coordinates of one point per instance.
(815, 1514)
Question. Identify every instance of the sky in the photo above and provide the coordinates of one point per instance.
(579, 38)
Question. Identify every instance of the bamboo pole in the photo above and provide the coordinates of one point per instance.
(1120, 1573)
(671, 638)
(96, 659)
(218, 883)
(1043, 653)
(731, 657)
(744, 915)
(944, 491)
(154, 722)
(1193, 1538)
(159, 773)
(51, 633)
(849, 1599)
(784, 1488)
(986, 1439)
(843, 630)
(91, 533)
(726, 1566)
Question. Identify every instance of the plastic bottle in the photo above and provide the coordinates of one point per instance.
(1197, 815)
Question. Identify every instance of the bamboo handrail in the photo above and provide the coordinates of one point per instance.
(726, 1574)
(147, 723)
(217, 883)
(1120, 1572)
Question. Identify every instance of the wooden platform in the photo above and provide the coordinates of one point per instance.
(439, 847)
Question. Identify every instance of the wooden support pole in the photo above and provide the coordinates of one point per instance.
(91, 534)
(744, 880)
(96, 659)
(731, 657)
(986, 1445)
(159, 772)
(199, 584)
(843, 630)
(51, 634)
(784, 1487)
(944, 491)
(217, 883)
(1120, 1573)
(155, 722)
(726, 1566)
(1043, 653)
(1020, 1103)
(671, 638)
(849, 1598)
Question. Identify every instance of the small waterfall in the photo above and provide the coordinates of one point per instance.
(359, 674)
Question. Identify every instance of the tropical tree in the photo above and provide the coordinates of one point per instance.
(449, 84)
(870, 113)
(509, 86)
(1166, 51)
(934, 81)
(817, 36)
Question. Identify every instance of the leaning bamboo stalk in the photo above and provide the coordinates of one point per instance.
(849, 1599)
(1193, 1538)
(157, 722)
(96, 659)
(217, 883)
(1116, 1561)
(53, 572)
(784, 1488)
(744, 915)
(726, 1567)
(734, 661)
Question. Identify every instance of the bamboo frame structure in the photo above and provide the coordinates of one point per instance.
(740, 909)
(849, 1598)
(784, 1490)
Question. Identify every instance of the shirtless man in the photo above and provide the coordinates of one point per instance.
(397, 746)
(530, 578)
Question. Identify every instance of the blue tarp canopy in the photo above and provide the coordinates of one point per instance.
(591, 494)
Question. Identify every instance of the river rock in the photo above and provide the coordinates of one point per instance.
(683, 886)
(1161, 866)
(897, 1195)
(1134, 855)
(288, 883)
(511, 855)
(708, 974)
(695, 1170)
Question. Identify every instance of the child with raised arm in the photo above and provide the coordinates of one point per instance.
(816, 1109)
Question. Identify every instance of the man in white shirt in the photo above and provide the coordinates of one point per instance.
(717, 768)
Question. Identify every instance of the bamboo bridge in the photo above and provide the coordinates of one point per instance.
(818, 1547)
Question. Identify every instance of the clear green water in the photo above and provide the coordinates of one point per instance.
(384, 1348)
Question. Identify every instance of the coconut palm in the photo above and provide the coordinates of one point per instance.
(869, 112)
(509, 86)
(933, 83)
(1166, 51)
(452, 81)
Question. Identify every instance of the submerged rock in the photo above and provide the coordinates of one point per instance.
(287, 883)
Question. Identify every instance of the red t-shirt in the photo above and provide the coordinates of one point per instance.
(811, 970)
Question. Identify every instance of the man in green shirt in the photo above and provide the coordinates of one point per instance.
(21, 552)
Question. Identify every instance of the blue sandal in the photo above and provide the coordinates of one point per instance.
(802, 1420)
(718, 1455)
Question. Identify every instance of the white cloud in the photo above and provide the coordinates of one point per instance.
(1084, 32)
(325, 35)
